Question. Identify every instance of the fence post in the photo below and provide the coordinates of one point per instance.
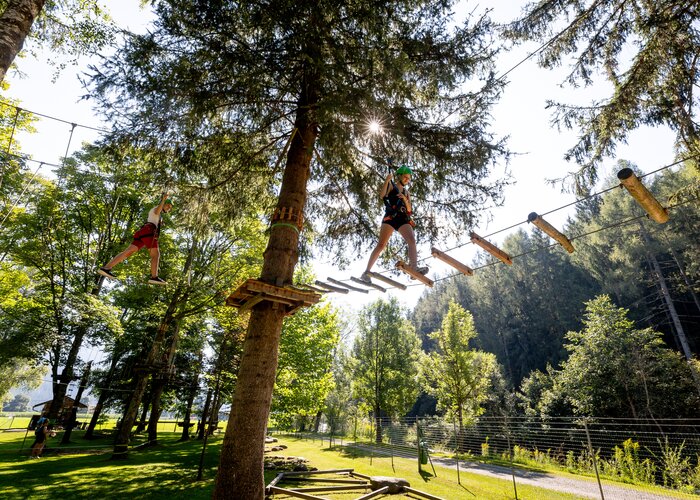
(511, 453)
(593, 456)
(457, 443)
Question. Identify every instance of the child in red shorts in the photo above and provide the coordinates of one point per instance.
(146, 236)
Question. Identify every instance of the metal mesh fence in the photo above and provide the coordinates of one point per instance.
(661, 457)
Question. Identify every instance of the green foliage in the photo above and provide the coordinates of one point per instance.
(304, 376)
(459, 377)
(616, 370)
(223, 80)
(19, 373)
(644, 51)
(73, 28)
(385, 356)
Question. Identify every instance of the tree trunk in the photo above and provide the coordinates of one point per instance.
(317, 421)
(205, 414)
(156, 410)
(121, 444)
(188, 415)
(15, 24)
(141, 426)
(74, 410)
(680, 333)
(240, 473)
(159, 384)
(378, 427)
(67, 374)
(90, 432)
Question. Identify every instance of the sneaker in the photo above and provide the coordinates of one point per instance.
(421, 270)
(157, 281)
(366, 277)
(107, 273)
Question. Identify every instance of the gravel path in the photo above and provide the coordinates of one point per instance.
(583, 487)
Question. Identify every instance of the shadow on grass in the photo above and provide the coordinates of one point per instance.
(167, 471)
(427, 476)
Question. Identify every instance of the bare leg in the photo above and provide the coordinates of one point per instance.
(132, 249)
(407, 232)
(155, 260)
(384, 234)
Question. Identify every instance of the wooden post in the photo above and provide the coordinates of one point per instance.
(640, 193)
(545, 226)
(490, 248)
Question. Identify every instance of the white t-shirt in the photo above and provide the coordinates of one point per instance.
(153, 217)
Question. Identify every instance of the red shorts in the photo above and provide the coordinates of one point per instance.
(147, 236)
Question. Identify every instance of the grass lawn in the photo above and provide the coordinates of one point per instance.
(83, 469)
(169, 471)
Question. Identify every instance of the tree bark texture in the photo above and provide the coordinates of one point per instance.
(205, 414)
(188, 415)
(90, 432)
(15, 23)
(73, 416)
(240, 473)
(158, 385)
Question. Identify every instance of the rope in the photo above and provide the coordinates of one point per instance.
(26, 186)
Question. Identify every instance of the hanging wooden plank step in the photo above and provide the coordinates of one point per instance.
(491, 248)
(331, 288)
(254, 291)
(349, 287)
(386, 280)
(462, 268)
(371, 285)
(415, 274)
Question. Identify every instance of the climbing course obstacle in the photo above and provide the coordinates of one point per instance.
(401, 265)
(254, 291)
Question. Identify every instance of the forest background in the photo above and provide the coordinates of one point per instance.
(539, 318)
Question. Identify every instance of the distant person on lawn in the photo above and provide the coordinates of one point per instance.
(41, 434)
(146, 236)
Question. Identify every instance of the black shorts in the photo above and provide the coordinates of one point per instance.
(396, 222)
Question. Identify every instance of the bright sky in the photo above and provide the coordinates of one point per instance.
(520, 114)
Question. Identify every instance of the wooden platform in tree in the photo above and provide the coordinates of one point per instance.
(254, 291)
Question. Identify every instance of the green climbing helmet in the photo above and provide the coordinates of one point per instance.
(403, 169)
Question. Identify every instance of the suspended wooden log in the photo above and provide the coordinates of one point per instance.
(371, 285)
(350, 287)
(490, 248)
(462, 268)
(545, 226)
(331, 288)
(307, 287)
(640, 193)
(386, 280)
(414, 274)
